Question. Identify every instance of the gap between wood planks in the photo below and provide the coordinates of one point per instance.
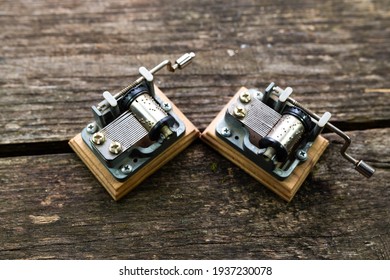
(61, 147)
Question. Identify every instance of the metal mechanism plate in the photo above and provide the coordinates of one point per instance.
(260, 118)
(137, 149)
(126, 130)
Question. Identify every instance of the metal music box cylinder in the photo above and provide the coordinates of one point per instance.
(151, 116)
(286, 134)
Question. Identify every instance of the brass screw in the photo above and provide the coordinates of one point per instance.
(245, 97)
(239, 112)
(98, 138)
(115, 147)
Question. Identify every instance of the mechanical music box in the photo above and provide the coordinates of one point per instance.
(274, 138)
(134, 132)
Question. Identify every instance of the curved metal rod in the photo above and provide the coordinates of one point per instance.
(362, 167)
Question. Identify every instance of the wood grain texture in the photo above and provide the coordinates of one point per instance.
(57, 57)
(52, 207)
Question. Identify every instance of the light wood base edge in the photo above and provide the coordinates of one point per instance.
(118, 189)
(287, 188)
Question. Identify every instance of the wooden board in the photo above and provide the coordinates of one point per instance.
(285, 188)
(198, 206)
(56, 58)
(118, 189)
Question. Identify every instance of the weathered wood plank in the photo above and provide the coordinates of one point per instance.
(56, 58)
(198, 206)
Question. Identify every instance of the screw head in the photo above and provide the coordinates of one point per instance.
(115, 147)
(239, 112)
(245, 97)
(126, 169)
(302, 155)
(98, 138)
(259, 95)
(91, 128)
(226, 132)
(167, 106)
